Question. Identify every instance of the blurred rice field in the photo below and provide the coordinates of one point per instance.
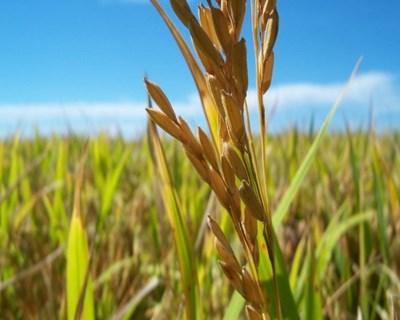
(350, 201)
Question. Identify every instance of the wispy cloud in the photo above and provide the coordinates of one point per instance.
(378, 86)
(292, 99)
(87, 118)
(75, 109)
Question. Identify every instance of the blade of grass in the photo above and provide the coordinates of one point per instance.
(313, 289)
(235, 306)
(183, 246)
(325, 247)
(287, 199)
(78, 260)
(111, 184)
(364, 241)
(265, 271)
(289, 308)
(126, 312)
(379, 200)
(48, 260)
(331, 236)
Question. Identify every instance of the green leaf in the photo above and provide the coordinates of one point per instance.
(183, 246)
(234, 307)
(313, 287)
(290, 193)
(80, 301)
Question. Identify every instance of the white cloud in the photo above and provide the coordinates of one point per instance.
(75, 109)
(378, 86)
(130, 117)
(88, 118)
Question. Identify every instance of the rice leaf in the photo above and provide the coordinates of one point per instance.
(79, 281)
(287, 199)
(379, 200)
(183, 246)
(313, 303)
(332, 235)
(111, 183)
(235, 306)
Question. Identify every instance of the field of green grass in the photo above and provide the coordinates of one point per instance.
(344, 224)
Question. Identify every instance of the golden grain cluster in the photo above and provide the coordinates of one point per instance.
(226, 161)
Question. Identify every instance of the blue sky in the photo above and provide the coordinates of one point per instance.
(80, 63)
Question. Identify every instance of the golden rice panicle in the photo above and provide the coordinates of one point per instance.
(238, 276)
(166, 123)
(252, 295)
(238, 60)
(215, 89)
(236, 162)
(266, 22)
(252, 313)
(222, 245)
(182, 11)
(235, 121)
(219, 187)
(251, 201)
(228, 174)
(190, 143)
(210, 57)
(160, 99)
(208, 148)
(226, 162)
(234, 277)
(250, 227)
